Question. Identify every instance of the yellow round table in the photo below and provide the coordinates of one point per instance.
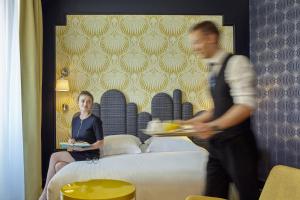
(98, 189)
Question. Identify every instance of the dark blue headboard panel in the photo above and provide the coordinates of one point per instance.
(143, 119)
(113, 112)
(131, 119)
(118, 117)
(177, 104)
(162, 107)
(96, 110)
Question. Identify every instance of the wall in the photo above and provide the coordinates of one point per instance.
(55, 12)
(275, 52)
(140, 55)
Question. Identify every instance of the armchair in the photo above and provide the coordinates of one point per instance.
(282, 183)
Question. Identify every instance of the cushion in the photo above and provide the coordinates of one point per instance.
(170, 144)
(120, 144)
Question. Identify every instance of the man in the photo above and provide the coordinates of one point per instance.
(232, 147)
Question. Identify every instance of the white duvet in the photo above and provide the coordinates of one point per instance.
(156, 176)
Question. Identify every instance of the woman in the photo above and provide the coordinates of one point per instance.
(85, 127)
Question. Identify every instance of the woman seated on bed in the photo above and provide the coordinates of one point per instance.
(85, 127)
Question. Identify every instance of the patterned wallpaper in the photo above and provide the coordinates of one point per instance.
(137, 54)
(275, 52)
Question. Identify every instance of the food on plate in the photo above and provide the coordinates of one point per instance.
(158, 126)
(155, 126)
(170, 126)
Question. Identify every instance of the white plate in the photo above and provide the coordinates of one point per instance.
(178, 132)
(65, 145)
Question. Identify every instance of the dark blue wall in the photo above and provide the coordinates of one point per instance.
(275, 53)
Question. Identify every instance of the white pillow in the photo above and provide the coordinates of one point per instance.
(120, 144)
(170, 144)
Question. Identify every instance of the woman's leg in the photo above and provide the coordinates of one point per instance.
(59, 165)
(62, 156)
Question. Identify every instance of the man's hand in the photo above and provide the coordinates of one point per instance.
(205, 135)
(180, 122)
(205, 130)
(202, 127)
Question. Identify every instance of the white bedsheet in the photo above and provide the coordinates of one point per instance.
(156, 176)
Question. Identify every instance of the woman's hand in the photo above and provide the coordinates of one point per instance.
(72, 148)
(78, 149)
(71, 141)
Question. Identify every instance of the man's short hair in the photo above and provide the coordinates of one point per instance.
(206, 27)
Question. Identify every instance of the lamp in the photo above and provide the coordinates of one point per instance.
(62, 85)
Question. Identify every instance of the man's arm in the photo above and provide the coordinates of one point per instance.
(234, 116)
(240, 77)
(205, 116)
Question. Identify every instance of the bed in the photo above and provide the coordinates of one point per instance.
(160, 168)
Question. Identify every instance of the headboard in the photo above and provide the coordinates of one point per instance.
(119, 117)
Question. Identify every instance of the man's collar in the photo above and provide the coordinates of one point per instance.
(218, 58)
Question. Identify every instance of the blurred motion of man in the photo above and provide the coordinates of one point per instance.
(232, 146)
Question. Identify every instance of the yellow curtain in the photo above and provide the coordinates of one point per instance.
(31, 36)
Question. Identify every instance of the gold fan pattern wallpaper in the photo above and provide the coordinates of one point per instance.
(140, 55)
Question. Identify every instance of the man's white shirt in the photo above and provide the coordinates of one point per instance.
(239, 75)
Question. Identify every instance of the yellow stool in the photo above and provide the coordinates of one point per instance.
(98, 189)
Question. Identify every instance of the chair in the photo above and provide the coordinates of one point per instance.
(196, 197)
(283, 183)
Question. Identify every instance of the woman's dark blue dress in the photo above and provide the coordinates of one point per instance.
(87, 130)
